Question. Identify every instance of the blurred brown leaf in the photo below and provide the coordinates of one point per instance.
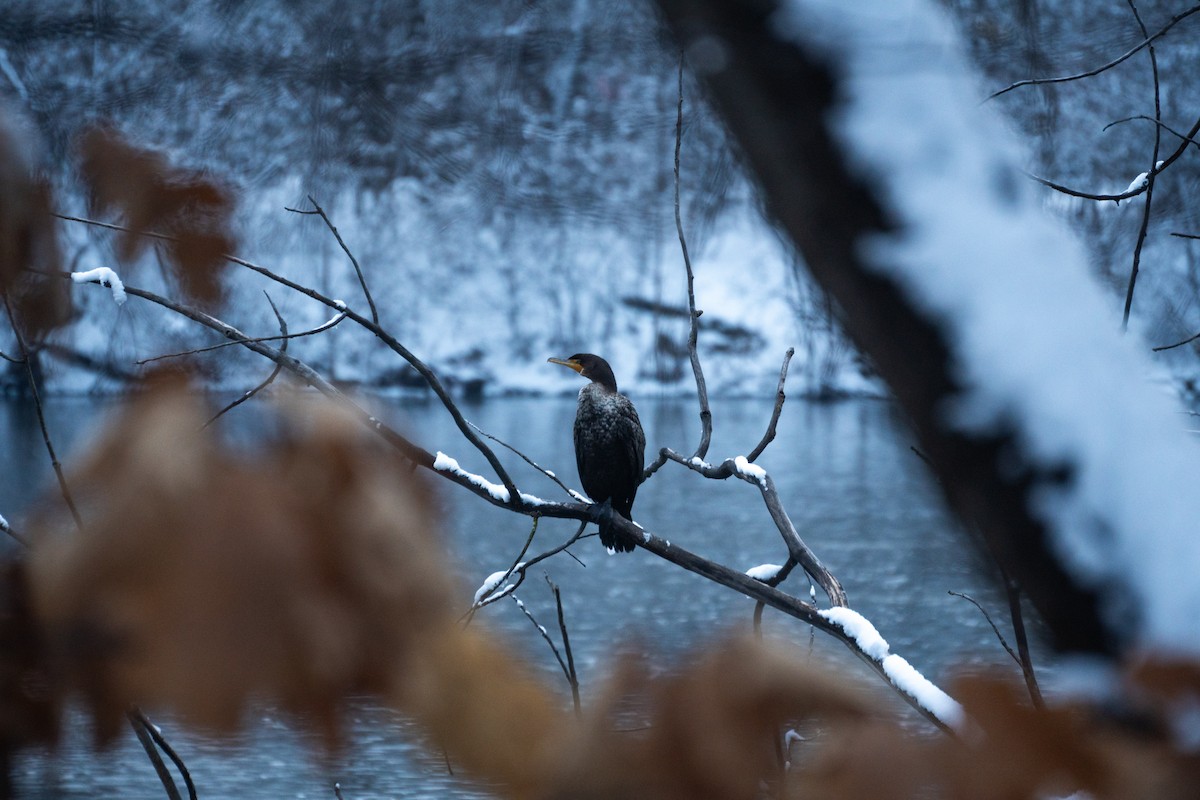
(28, 239)
(1010, 751)
(29, 700)
(206, 577)
(712, 730)
(154, 196)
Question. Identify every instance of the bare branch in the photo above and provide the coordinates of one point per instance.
(753, 474)
(498, 589)
(166, 747)
(41, 415)
(572, 676)
(567, 671)
(426, 373)
(362, 281)
(1150, 175)
(694, 315)
(1090, 73)
(1134, 192)
(1003, 642)
(1162, 125)
(324, 326)
(283, 331)
(769, 436)
(573, 494)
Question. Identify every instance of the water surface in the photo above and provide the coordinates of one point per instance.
(856, 492)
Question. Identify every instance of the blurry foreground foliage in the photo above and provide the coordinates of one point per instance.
(308, 568)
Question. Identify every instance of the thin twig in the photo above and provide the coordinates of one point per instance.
(283, 330)
(328, 325)
(1134, 192)
(521, 568)
(1187, 235)
(37, 404)
(166, 747)
(1188, 340)
(1093, 72)
(769, 436)
(5, 527)
(694, 315)
(9, 358)
(1141, 240)
(572, 676)
(362, 281)
(1164, 126)
(574, 494)
(562, 664)
(495, 593)
(1003, 642)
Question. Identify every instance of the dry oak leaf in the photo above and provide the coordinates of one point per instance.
(207, 578)
(154, 196)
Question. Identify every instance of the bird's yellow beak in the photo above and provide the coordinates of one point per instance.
(566, 362)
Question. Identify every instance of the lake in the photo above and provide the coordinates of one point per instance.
(857, 493)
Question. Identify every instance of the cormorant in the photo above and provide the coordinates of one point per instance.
(609, 443)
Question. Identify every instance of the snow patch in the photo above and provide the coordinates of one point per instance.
(751, 471)
(764, 572)
(444, 463)
(105, 277)
(491, 582)
(902, 674)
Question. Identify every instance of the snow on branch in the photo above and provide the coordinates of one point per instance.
(105, 277)
(902, 674)
(499, 493)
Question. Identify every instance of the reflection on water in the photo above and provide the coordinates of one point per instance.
(855, 491)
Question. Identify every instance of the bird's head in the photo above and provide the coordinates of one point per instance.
(590, 366)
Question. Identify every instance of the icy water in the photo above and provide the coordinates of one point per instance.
(856, 492)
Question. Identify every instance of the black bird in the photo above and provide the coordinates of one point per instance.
(609, 444)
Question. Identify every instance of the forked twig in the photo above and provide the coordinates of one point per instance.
(362, 280)
(283, 330)
(324, 326)
(1093, 72)
(780, 397)
(166, 747)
